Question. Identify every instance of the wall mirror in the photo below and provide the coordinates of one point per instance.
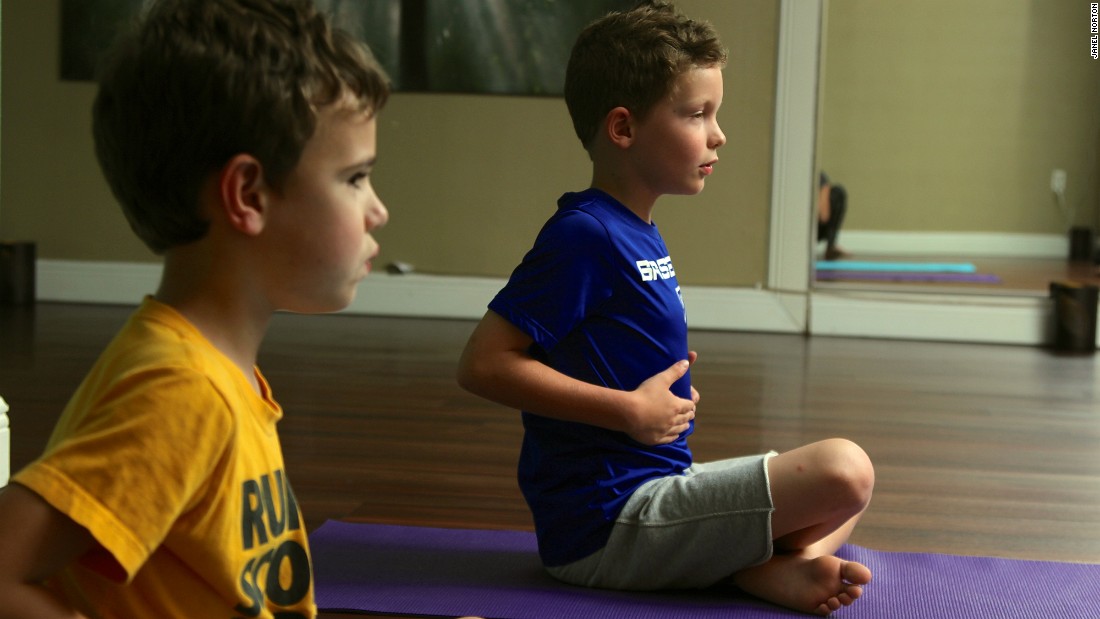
(963, 132)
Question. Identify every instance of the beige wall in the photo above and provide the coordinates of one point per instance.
(468, 179)
(942, 115)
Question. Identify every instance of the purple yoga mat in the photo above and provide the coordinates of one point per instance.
(905, 276)
(496, 574)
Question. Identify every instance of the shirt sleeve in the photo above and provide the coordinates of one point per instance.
(132, 463)
(562, 280)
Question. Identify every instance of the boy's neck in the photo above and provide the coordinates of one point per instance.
(638, 203)
(216, 306)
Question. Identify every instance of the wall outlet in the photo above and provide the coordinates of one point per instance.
(1058, 181)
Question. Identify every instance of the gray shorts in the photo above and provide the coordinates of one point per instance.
(685, 531)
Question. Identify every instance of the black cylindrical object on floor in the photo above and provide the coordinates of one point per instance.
(17, 273)
(1074, 315)
(1082, 244)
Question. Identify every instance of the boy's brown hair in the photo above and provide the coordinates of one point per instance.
(198, 82)
(632, 59)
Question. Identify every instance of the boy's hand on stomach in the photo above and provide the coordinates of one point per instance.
(660, 416)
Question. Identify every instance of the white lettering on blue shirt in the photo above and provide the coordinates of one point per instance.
(652, 270)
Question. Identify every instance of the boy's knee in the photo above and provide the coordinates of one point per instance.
(849, 469)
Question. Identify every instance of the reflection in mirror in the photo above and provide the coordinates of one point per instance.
(963, 132)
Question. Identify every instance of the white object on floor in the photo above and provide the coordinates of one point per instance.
(5, 445)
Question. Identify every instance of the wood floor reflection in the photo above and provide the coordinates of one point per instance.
(978, 449)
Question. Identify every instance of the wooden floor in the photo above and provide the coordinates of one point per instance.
(978, 449)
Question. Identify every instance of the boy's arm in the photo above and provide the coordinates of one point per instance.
(497, 366)
(36, 541)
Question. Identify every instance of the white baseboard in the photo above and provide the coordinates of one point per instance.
(95, 282)
(963, 318)
(917, 316)
(954, 244)
(418, 295)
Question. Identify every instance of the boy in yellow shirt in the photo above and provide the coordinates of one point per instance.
(239, 137)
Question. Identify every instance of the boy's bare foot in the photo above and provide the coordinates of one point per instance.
(818, 586)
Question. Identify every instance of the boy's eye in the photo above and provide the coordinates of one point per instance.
(357, 179)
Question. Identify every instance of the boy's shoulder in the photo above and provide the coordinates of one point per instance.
(157, 350)
(582, 220)
(589, 228)
(157, 381)
(599, 206)
(156, 334)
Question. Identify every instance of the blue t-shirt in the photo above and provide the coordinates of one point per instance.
(598, 295)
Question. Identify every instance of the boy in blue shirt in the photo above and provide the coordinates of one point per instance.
(589, 340)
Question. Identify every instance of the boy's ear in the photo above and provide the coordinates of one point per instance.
(619, 125)
(243, 194)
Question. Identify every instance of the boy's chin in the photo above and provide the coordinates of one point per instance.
(691, 191)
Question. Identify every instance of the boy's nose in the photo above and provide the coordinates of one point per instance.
(719, 137)
(378, 215)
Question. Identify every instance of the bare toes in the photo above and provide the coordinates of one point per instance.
(854, 573)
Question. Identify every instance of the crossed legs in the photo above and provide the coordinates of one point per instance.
(819, 492)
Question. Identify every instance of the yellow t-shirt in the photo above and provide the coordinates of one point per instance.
(171, 460)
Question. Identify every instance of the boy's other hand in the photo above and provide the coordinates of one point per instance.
(660, 416)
